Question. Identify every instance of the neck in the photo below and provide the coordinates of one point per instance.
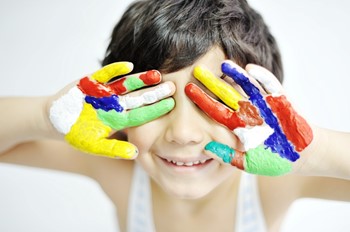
(224, 194)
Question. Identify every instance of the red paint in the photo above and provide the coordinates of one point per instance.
(294, 126)
(238, 160)
(151, 77)
(148, 78)
(213, 108)
(93, 88)
(246, 115)
(118, 86)
(249, 113)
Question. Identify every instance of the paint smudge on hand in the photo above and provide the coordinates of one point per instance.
(88, 113)
(270, 130)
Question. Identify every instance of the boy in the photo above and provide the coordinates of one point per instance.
(174, 37)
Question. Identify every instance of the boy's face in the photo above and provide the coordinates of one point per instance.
(171, 147)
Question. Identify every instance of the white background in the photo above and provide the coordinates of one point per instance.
(46, 44)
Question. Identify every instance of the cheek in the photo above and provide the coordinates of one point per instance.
(225, 136)
(143, 136)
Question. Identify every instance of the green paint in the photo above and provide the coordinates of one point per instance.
(262, 161)
(221, 150)
(135, 117)
(132, 83)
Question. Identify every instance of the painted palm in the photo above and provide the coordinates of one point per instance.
(271, 131)
(96, 107)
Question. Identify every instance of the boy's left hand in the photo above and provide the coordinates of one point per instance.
(271, 131)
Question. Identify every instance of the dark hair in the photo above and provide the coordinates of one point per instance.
(169, 35)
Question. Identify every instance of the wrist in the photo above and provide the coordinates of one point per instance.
(24, 119)
(307, 164)
(325, 156)
(36, 124)
(41, 122)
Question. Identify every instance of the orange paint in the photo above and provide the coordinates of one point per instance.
(295, 127)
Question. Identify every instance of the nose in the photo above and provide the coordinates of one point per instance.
(186, 125)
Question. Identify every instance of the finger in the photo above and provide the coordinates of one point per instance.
(214, 109)
(148, 96)
(295, 127)
(121, 103)
(266, 78)
(218, 87)
(277, 142)
(234, 85)
(259, 161)
(135, 117)
(247, 114)
(109, 71)
(122, 85)
(95, 85)
(89, 135)
(249, 85)
(225, 154)
(135, 81)
(239, 69)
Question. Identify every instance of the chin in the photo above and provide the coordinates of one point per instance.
(190, 183)
(187, 190)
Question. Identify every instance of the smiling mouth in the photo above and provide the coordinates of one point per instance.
(187, 164)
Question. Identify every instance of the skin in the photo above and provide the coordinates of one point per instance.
(268, 147)
(102, 111)
(180, 135)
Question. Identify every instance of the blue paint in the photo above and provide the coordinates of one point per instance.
(278, 141)
(105, 103)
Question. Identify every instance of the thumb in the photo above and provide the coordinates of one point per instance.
(225, 154)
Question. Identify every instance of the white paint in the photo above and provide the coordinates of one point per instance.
(254, 136)
(131, 102)
(65, 111)
(267, 79)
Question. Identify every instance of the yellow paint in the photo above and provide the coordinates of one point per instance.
(90, 135)
(109, 71)
(221, 89)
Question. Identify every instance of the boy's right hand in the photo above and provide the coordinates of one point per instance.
(89, 112)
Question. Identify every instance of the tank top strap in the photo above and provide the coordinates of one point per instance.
(250, 217)
(140, 214)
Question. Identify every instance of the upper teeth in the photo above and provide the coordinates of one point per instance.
(179, 163)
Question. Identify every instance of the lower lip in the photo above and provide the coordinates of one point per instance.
(184, 168)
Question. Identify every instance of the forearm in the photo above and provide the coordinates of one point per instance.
(23, 119)
(327, 155)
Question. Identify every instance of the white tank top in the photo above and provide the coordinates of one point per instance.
(249, 217)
